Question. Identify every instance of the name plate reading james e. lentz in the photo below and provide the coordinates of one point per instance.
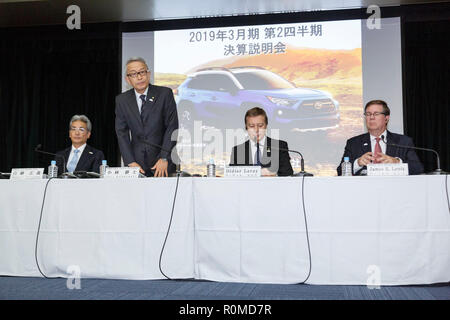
(242, 171)
(121, 172)
(27, 173)
(387, 169)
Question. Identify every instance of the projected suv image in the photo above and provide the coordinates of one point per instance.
(217, 95)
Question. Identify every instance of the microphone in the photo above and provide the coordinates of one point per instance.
(177, 165)
(67, 175)
(302, 163)
(37, 149)
(86, 174)
(5, 175)
(438, 170)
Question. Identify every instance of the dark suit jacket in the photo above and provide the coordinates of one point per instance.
(274, 159)
(160, 120)
(90, 160)
(359, 145)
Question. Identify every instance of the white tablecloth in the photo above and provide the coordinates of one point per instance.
(107, 228)
(362, 230)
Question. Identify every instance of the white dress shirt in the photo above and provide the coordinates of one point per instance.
(138, 99)
(72, 153)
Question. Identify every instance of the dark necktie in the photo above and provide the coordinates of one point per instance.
(142, 96)
(257, 161)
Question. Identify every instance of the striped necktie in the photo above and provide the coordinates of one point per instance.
(142, 96)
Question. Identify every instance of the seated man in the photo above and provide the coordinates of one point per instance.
(261, 150)
(374, 146)
(80, 156)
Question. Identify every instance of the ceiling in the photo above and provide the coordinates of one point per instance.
(49, 12)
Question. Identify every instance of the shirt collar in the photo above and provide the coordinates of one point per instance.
(262, 142)
(383, 134)
(138, 95)
(81, 149)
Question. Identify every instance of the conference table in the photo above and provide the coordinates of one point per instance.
(314, 230)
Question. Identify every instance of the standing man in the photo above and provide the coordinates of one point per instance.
(261, 150)
(373, 147)
(149, 113)
(80, 156)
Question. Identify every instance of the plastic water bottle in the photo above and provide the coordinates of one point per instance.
(211, 168)
(52, 170)
(346, 167)
(103, 168)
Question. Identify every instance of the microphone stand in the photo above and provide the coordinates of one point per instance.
(302, 172)
(5, 175)
(437, 171)
(37, 149)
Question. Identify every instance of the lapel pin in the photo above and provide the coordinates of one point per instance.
(151, 99)
(365, 144)
(90, 152)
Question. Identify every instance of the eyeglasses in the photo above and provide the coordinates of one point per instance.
(82, 130)
(375, 114)
(135, 74)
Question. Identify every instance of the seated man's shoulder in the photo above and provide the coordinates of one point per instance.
(399, 136)
(240, 146)
(359, 137)
(68, 149)
(93, 150)
(280, 143)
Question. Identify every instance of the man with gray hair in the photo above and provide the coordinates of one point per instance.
(80, 156)
(149, 113)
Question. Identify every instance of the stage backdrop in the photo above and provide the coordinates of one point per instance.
(312, 79)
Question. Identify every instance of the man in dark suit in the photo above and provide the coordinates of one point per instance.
(80, 156)
(149, 113)
(260, 149)
(374, 146)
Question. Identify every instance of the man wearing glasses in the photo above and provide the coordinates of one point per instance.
(374, 146)
(149, 113)
(80, 156)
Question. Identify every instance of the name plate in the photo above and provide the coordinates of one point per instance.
(387, 169)
(242, 171)
(27, 173)
(121, 172)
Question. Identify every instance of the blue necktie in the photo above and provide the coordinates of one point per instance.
(257, 161)
(73, 163)
(142, 96)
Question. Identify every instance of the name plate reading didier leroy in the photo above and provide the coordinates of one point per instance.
(387, 169)
(122, 172)
(242, 171)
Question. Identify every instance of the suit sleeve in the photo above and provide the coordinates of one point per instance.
(414, 164)
(233, 157)
(171, 124)
(123, 135)
(285, 168)
(59, 162)
(99, 156)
